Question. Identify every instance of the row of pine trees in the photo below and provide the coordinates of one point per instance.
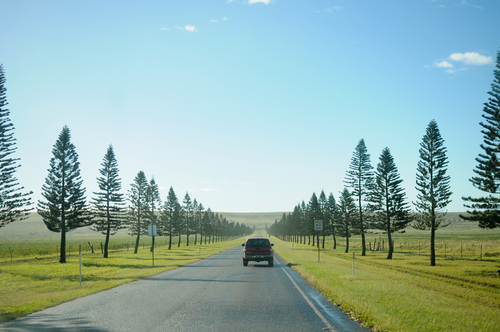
(65, 207)
(376, 200)
(372, 199)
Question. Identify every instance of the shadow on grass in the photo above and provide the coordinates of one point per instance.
(291, 264)
(7, 316)
(120, 266)
(51, 323)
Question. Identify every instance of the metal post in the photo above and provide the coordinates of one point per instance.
(80, 265)
(353, 264)
(318, 254)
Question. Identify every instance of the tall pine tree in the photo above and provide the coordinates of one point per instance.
(138, 208)
(153, 202)
(188, 215)
(360, 178)
(313, 213)
(486, 210)
(13, 203)
(333, 215)
(64, 207)
(347, 216)
(170, 215)
(109, 202)
(388, 199)
(323, 202)
(433, 185)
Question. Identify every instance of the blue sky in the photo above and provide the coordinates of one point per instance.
(247, 105)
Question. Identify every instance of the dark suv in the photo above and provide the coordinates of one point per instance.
(258, 249)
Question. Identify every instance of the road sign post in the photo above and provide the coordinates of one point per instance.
(152, 232)
(318, 227)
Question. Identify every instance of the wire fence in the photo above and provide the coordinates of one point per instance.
(449, 249)
(26, 251)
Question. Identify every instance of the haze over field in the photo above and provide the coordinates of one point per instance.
(248, 105)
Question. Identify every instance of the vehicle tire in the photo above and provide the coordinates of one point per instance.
(245, 262)
(271, 263)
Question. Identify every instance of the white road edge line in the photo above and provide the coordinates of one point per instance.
(328, 326)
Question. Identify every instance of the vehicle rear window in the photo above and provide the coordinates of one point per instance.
(258, 243)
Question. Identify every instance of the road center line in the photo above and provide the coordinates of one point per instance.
(328, 326)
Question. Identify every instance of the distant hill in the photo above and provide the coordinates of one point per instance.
(257, 219)
(34, 228)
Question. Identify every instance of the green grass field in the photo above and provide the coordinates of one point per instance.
(30, 238)
(35, 284)
(461, 293)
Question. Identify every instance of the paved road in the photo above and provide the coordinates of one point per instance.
(215, 294)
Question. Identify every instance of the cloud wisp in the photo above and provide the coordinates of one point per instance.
(250, 2)
(329, 9)
(459, 61)
(472, 58)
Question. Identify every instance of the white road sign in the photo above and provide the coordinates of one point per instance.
(318, 225)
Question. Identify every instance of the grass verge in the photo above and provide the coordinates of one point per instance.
(34, 285)
(403, 294)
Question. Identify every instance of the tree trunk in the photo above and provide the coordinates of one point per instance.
(137, 242)
(62, 258)
(108, 231)
(433, 249)
(363, 241)
(391, 245)
(389, 235)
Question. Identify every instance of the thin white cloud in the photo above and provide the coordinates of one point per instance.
(190, 28)
(472, 58)
(443, 64)
(459, 61)
(465, 3)
(164, 29)
(331, 9)
(216, 21)
(250, 2)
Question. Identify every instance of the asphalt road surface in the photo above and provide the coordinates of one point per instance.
(215, 294)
